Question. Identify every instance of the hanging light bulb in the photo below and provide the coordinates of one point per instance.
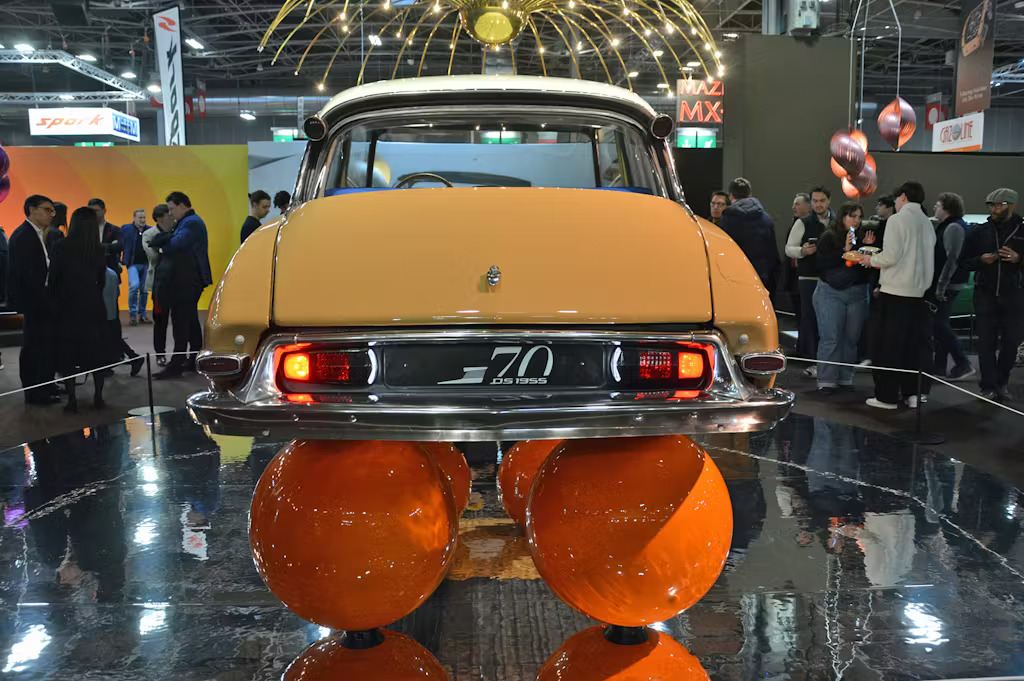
(669, 28)
(615, 42)
(647, 31)
(693, 30)
(320, 86)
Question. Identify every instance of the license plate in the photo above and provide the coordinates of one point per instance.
(494, 365)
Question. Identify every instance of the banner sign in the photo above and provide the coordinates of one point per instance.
(974, 65)
(959, 134)
(168, 55)
(700, 101)
(78, 121)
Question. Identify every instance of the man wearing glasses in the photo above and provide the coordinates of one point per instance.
(29, 266)
(993, 251)
(719, 202)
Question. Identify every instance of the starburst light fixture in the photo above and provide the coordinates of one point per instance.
(619, 36)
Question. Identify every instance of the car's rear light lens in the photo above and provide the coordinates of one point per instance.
(683, 367)
(296, 366)
(763, 363)
(308, 369)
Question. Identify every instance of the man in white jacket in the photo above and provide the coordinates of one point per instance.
(907, 265)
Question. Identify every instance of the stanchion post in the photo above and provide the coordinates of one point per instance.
(920, 405)
(149, 385)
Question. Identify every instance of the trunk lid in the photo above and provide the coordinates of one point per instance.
(421, 257)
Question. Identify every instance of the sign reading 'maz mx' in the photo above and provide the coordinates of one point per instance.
(700, 101)
(167, 30)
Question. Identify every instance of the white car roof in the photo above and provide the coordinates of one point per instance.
(488, 83)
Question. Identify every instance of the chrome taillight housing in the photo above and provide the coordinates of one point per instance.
(763, 363)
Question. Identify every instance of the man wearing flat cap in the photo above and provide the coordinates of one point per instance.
(994, 251)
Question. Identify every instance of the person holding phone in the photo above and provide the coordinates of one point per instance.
(802, 246)
(993, 252)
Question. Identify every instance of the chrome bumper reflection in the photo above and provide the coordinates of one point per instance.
(411, 419)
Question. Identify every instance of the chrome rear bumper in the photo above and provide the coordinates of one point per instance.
(730, 405)
(494, 421)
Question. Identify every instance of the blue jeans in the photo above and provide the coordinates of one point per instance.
(946, 342)
(137, 295)
(840, 316)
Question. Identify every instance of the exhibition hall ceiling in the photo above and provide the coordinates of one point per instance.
(228, 32)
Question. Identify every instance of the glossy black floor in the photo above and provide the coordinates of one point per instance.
(124, 555)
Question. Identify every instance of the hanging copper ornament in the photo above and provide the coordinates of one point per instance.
(837, 169)
(897, 122)
(847, 153)
(860, 138)
(851, 191)
(866, 181)
(869, 160)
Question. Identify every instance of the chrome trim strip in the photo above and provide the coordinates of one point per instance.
(775, 353)
(382, 420)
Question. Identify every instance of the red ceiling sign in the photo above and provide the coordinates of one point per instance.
(700, 101)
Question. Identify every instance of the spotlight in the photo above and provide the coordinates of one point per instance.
(87, 57)
(633, 74)
(129, 75)
(657, 53)
(67, 98)
(24, 47)
(247, 115)
(193, 43)
(153, 87)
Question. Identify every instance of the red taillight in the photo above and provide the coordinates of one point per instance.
(677, 367)
(655, 365)
(306, 369)
(332, 367)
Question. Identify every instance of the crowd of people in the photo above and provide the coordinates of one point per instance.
(890, 305)
(64, 277)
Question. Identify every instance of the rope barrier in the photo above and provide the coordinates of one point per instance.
(73, 376)
(975, 395)
(863, 367)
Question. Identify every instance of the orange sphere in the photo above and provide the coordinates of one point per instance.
(588, 656)
(518, 468)
(630, 531)
(453, 464)
(352, 535)
(398, 658)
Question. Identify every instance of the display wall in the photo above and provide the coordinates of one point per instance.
(784, 98)
(127, 178)
(971, 175)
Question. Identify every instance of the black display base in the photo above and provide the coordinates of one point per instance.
(361, 640)
(626, 636)
(921, 438)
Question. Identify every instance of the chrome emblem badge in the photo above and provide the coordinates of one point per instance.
(494, 275)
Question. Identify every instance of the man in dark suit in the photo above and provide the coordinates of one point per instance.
(188, 247)
(110, 236)
(26, 287)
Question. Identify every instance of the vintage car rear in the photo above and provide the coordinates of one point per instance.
(489, 258)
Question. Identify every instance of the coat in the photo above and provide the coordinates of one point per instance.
(80, 319)
(753, 230)
(26, 271)
(189, 239)
(999, 277)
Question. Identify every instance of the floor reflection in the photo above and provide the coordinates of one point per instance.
(124, 554)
